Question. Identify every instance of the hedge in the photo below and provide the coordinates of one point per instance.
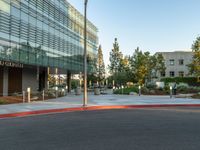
(191, 81)
(126, 91)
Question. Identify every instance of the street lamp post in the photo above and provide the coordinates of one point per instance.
(85, 99)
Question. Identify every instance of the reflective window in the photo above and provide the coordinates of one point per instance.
(181, 61)
(32, 20)
(44, 32)
(24, 16)
(171, 62)
(4, 35)
(181, 73)
(15, 12)
(5, 7)
(39, 24)
(171, 74)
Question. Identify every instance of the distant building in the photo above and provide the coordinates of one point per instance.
(176, 64)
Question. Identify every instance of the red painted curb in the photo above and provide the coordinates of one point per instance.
(91, 108)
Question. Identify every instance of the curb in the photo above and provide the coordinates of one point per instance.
(91, 108)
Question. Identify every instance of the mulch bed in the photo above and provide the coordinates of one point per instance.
(11, 99)
(19, 99)
(197, 96)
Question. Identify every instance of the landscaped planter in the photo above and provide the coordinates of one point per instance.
(96, 91)
(78, 91)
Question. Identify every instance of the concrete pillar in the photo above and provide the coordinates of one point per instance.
(38, 78)
(47, 79)
(69, 81)
(56, 76)
(5, 81)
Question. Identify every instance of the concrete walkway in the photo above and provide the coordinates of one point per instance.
(72, 101)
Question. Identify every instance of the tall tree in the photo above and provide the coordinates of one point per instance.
(92, 67)
(156, 65)
(140, 65)
(160, 64)
(115, 58)
(100, 65)
(119, 66)
(194, 67)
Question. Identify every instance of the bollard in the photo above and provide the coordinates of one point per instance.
(24, 96)
(63, 92)
(56, 92)
(170, 91)
(139, 90)
(113, 88)
(43, 95)
(66, 89)
(97, 91)
(29, 94)
(90, 83)
(122, 89)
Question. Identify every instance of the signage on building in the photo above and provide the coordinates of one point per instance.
(11, 64)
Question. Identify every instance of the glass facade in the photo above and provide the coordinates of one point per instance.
(47, 33)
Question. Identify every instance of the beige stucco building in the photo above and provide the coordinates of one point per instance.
(176, 63)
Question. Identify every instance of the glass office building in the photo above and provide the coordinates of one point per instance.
(39, 34)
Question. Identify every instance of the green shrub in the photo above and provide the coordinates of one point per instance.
(182, 89)
(183, 84)
(193, 90)
(126, 91)
(191, 81)
(167, 89)
(145, 90)
(74, 84)
(2, 101)
(151, 86)
(197, 96)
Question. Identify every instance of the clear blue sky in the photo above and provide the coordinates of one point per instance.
(153, 25)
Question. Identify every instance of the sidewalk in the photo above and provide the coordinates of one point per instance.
(74, 103)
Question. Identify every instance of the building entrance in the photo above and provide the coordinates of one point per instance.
(14, 80)
(42, 79)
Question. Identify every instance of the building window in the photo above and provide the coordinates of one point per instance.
(171, 62)
(4, 6)
(181, 62)
(181, 74)
(162, 74)
(171, 74)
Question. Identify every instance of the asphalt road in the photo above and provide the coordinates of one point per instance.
(132, 129)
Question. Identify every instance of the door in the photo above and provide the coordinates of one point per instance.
(14, 80)
(42, 80)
